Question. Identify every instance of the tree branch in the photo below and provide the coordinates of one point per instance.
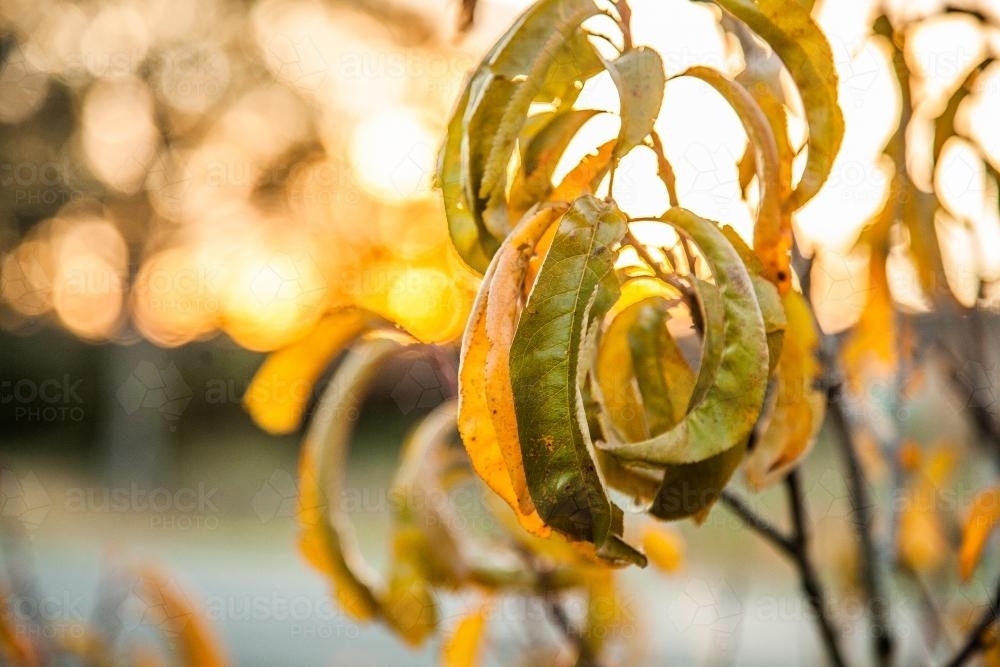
(811, 586)
(796, 548)
(862, 509)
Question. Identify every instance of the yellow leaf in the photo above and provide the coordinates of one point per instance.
(791, 428)
(461, 649)
(983, 517)
(922, 544)
(799, 42)
(196, 643)
(502, 311)
(496, 461)
(663, 547)
(327, 540)
(280, 390)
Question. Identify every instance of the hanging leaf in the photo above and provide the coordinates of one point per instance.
(510, 78)
(723, 416)
(773, 228)
(639, 77)
(576, 286)
(282, 386)
(788, 432)
(799, 42)
(502, 313)
(982, 519)
(944, 124)
(327, 539)
(473, 242)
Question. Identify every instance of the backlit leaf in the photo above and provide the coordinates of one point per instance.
(663, 547)
(282, 386)
(639, 77)
(790, 429)
(327, 539)
(799, 42)
(723, 416)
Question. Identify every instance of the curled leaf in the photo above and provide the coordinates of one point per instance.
(728, 400)
(282, 386)
(327, 539)
(790, 429)
(788, 28)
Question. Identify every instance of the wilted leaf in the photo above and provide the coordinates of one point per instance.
(282, 386)
(723, 416)
(576, 286)
(789, 431)
(639, 77)
(983, 517)
(799, 42)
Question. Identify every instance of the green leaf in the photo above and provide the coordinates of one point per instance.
(639, 77)
(724, 414)
(788, 28)
(665, 380)
(474, 244)
(507, 82)
(576, 286)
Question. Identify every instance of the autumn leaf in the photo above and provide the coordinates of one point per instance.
(463, 647)
(576, 286)
(983, 516)
(799, 42)
(282, 386)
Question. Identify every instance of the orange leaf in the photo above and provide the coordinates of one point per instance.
(983, 517)
(461, 649)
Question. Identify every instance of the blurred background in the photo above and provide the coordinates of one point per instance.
(188, 184)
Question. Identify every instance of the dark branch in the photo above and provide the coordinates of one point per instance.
(862, 509)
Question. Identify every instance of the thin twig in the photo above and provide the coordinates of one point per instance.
(758, 523)
(974, 642)
(796, 548)
(863, 511)
(811, 586)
